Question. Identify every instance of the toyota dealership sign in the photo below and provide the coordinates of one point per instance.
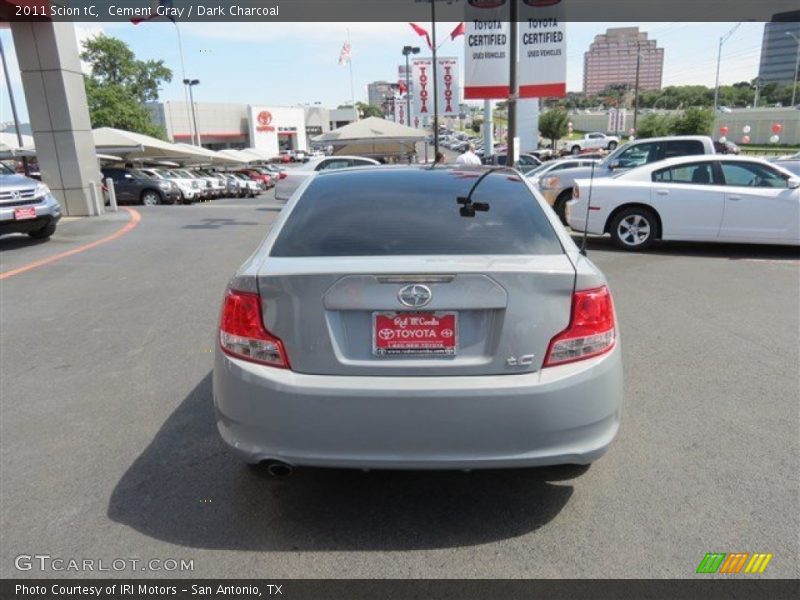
(487, 49)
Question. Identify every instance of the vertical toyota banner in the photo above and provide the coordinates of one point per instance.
(400, 110)
(542, 49)
(449, 87)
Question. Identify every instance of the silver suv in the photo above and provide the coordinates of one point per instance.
(26, 206)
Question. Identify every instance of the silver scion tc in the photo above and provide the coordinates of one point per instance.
(410, 317)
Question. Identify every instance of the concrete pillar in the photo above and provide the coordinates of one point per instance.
(47, 53)
(528, 124)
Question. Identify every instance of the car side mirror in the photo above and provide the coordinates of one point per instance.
(793, 183)
(615, 164)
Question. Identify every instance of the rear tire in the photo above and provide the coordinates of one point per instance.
(634, 229)
(560, 205)
(43, 233)
(150, 198)
(576, 150)
(612, 146)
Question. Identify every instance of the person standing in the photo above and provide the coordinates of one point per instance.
(469, 158)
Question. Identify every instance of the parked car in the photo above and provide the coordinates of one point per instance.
(287, 185)
(218, 187)
(791, 164)
(557, 189)
(188, 188)
(382, 324)
(525, 160)
(707, 199)
(251, 187)
(263, 178)
(536, 174)
(590, 141)
(135, 186)
(26, 206)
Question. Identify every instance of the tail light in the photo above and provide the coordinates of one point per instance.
(242, 333)
(591, 329)
(282, 175)
(576, 191)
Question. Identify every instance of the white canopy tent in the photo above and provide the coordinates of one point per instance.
(10, 147)
(132, 146)
(247, 155)
(211, 157)
(373, 137)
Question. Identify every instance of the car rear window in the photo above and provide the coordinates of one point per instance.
(414, 212)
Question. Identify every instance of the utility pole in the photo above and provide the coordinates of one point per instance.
(796, 67)
(511, 155)
(435, 86)
(636, 91)
(722, 40)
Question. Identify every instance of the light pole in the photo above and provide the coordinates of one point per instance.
(796, 65)
(190, 83)
(407, 50)
(636, 91)
(722, 40)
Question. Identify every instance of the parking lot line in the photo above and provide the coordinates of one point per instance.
(130, 225)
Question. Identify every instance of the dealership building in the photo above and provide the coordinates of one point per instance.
(265, 127)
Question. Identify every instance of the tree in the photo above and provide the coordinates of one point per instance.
(655, 125)
(694, 121)
(119, 85)
(368, 110)
(554, 124)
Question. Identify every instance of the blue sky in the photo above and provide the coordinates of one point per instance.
(294, 63)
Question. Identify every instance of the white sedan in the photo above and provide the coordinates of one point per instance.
(292, 179)
(699, 198)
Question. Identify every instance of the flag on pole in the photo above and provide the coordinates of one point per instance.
(421, 31)
(460, 30)
(346, 54)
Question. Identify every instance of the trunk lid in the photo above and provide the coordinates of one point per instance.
(507, 307)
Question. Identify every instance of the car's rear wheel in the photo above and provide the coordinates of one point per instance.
(634, 229)
(43, 233)
(576, 149)
(150, 198)
(560, 205)
(612, 146)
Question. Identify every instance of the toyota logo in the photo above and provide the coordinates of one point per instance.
(415, 296)
(265, 117)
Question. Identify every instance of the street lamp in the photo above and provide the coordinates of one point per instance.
(796, 65)
(407, 50)
(722, 40)
(190, 83)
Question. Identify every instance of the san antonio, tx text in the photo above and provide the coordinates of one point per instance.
(129, 589)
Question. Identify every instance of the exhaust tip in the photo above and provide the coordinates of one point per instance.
(279, 469)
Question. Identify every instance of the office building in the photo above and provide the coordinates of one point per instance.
(779, 48)
(611, 60)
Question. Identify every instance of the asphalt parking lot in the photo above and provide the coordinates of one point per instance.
(108, 447)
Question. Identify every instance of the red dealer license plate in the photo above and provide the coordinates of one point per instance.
(21, 214)
(409, 333)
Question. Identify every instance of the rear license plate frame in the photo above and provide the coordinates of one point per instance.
(417, 350)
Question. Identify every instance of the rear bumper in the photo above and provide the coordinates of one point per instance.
(561, 415)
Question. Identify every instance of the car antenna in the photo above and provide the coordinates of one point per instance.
(588, 204)
(469, 207)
